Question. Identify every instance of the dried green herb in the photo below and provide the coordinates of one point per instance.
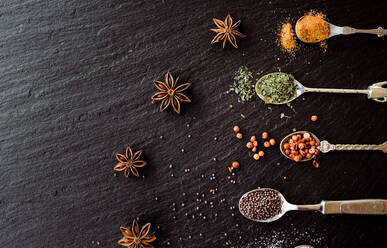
(284, 116)
(243, 85)
(277, 87)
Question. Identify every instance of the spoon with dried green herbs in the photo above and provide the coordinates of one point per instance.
(281, 88)
(267, 205)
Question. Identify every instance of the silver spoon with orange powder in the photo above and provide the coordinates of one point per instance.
(313, 28)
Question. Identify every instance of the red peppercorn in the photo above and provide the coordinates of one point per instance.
(314, 118)
(239, 136)
(249, 145)
(235, 164)
(255, 143)
(265, 135)
(230, 169)
(254, 149)
(266, 144)
(315, 164)
(256, 156)
(272, 142)
(253, 138)
(236, 129)
(261, 153)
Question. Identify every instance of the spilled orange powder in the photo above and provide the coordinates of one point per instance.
(287, 39)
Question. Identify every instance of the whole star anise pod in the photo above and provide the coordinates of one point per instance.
(129, 162)
(226, 31)
(137, 238)
(170, 94)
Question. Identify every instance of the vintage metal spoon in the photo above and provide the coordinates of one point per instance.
(376, 91)
(336, 30)
(364, 207)
(325, 146)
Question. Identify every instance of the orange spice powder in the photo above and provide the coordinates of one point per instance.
(287, 39)
(313, 27)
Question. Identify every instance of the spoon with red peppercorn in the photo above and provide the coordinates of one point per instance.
(267, 205)
(303, 146)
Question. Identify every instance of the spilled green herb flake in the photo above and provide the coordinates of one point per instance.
(284, 116)
(243, 85)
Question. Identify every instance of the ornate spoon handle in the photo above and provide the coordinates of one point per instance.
(367, 206)
(325, 147)
(343, 91)
(378, 31)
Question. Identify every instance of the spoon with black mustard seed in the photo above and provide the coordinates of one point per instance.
(248, 207)
(294, 89)
(337, 30)
(324, 146)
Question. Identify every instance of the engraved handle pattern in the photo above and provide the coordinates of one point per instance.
(356, 147)
(378, 31)
(325, 147)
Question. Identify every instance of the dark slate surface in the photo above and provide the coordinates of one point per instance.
(76, 82)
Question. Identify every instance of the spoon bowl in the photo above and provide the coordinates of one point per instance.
(289, 136)
(300, 89)
(333, 30)
(285, 206)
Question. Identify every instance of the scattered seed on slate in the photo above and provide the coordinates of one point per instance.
(182, 204)
(156, 198)
(173, 209)
(115, 174)
(214, 159)
(161, 137)
(261, 204)
(172, 175)
(201, 234)
(173, 203)
(184, 194)
(189, 136)
(170, 166)
(189, 236)
(215, 138)
(188, 125)
(182, 150)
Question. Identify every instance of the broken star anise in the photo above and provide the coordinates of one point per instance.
(137, 238)
(129, 162)
(226, 31)
(170, 94)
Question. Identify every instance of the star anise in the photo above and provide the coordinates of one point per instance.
(137, 238)
(226, 31)
(129, 162)
(170, 94)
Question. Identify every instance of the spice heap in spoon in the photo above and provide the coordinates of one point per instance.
(261, 204)
(301, 147)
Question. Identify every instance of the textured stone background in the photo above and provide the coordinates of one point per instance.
(75, 88)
